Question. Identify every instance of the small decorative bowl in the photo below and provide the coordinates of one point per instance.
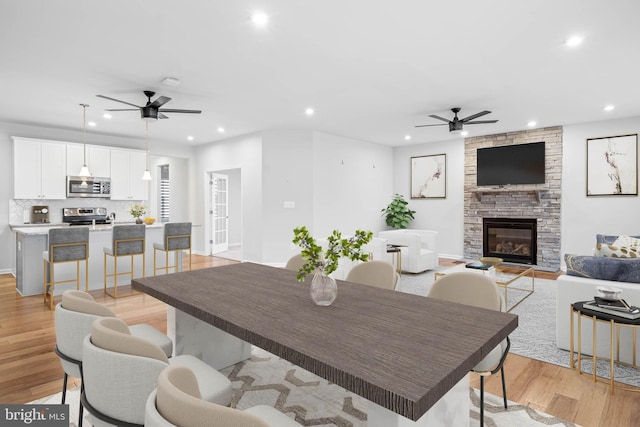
(149, 221)
(608, 293)
(491, 260)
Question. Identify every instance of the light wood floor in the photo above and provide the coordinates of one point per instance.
(30, 370)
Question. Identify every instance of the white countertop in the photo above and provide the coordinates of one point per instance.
(35, 229)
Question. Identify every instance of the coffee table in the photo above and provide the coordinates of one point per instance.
(503, 279)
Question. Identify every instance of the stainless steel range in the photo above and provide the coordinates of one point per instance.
(85, 216)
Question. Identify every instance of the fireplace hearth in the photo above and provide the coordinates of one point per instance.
(512, 239)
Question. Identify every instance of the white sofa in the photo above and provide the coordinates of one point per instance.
(419, 253)
(573, 289)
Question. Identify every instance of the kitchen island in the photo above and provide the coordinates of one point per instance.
(32, 241)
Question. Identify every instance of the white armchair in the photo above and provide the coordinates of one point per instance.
(420, 252)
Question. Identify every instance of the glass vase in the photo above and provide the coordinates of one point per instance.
(324, 289)
(138, 220)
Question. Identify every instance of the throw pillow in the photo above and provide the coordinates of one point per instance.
(622, 247)
(608, 239)
(603, 268)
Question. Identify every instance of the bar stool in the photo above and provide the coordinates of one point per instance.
(127, 240)
(65, 245)
(177, 237)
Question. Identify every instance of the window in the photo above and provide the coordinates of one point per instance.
(165, 202)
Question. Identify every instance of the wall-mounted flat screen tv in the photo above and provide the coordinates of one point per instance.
(511, 164)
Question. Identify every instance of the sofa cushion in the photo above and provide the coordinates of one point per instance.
(604, 268)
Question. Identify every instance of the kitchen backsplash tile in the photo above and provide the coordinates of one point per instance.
(17, 208)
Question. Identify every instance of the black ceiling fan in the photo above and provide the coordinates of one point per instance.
(151, 111)
(456, 124)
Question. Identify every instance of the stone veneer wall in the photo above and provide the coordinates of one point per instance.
(516, 201)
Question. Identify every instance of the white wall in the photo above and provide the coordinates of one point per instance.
(446, 216)
(287, 164)
(583, 217)
(245, 153)
(352, 183)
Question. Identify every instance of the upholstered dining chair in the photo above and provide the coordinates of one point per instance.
(119, 372)
(68, 244)
(176, 402)
(295, 263)
(380, 274)
(73, 318)
(479, 291)
(177, 237)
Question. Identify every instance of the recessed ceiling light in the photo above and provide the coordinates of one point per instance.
(190, 138)
(532, 124)
(309, 112)
(221, 129)
(574, 41)
(106, 115)
(464, 133)
(407, 137)
(92, 124)
(171, 81)
(260, 19)
(608, 107)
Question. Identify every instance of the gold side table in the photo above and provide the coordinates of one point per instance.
(615, 324)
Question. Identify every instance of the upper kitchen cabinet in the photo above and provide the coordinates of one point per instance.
(39, 169)
(127, 168)
(98, 159)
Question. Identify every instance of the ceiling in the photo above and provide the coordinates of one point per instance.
(370, 69)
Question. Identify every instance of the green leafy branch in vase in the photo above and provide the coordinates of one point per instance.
(337, 247)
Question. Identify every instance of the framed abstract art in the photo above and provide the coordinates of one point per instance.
(612, 166)
(429, 177)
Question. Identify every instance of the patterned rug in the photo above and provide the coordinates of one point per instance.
(268, 380)
(535, 336)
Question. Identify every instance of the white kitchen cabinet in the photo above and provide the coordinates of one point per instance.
(39, 169)
(127, 167)
(98, 159)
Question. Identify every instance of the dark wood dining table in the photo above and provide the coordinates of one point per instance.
(400, 351)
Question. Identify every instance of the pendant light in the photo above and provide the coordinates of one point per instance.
(147, 175)
(84, 171)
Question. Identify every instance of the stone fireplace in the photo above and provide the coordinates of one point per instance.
(515, 204)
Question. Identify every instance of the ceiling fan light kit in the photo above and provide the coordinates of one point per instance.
(456, 125)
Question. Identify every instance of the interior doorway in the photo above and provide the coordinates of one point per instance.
(224, 213)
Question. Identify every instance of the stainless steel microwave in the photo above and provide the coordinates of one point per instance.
(78, 186)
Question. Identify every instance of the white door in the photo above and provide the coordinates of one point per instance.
(219, 213)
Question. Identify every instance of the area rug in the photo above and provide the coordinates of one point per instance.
(268, 380)
(535, 336)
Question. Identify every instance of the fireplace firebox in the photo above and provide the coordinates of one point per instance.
(512, 239)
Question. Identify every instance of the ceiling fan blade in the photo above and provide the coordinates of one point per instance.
(439, 118)
(122, 109)
(439, 124)
(117, 100)
(474, 116)
(160, 101)
(173, 110)
(162, 116)
(479, 122)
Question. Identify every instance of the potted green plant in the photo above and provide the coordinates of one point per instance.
(323, 287)
(397, 214)
(137, 210)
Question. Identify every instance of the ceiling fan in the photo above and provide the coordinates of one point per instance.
(151, 111)
(456, 124)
